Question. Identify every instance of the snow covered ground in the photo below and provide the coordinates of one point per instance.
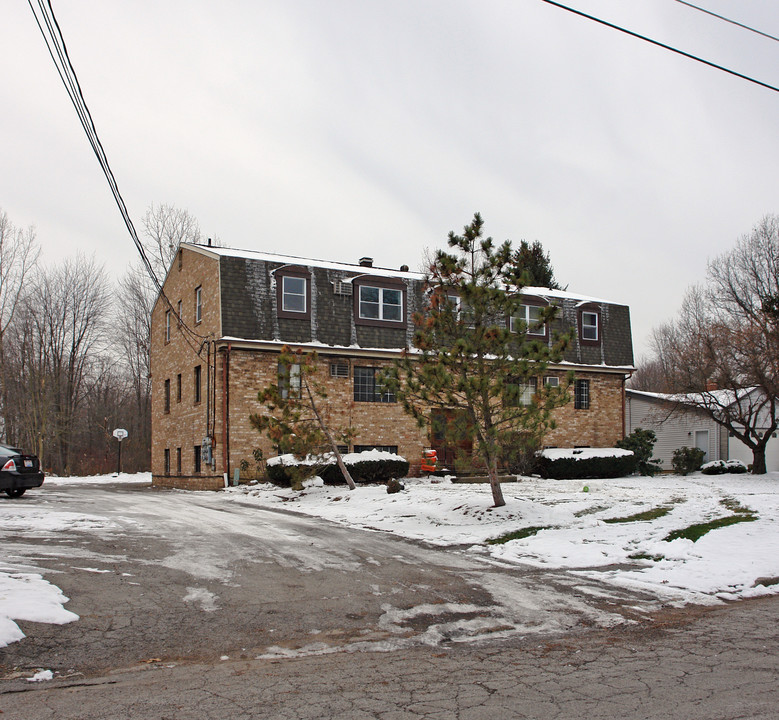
(566, 526)
(570, 526)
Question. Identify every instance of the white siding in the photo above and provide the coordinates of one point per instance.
(673, 430)
(738, 451)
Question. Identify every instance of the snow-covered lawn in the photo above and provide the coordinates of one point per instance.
(569, 526)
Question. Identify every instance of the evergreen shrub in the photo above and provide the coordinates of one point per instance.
(370, 466)
(642, 443)
(686, 459)
(587, 463)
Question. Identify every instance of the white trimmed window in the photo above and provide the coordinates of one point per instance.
(289, 380)
(380, 303)
(167, 326)
(293, 294)
(589, 326)
(529, 319)
(198, 304)
(552, 381)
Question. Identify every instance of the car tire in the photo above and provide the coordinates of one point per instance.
(16, 492)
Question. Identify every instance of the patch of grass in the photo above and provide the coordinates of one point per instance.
(518, 534)
(652, 514)
(735, 506)
(591, 510)
(697, 531)
(646, 556)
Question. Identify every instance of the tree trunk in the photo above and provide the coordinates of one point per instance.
(758, 460)
(497, 492)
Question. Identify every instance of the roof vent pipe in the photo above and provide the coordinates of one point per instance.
(366, 262)
(404, 268)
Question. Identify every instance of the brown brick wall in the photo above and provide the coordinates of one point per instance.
(377, 423)
(185, 425)
(598, 426)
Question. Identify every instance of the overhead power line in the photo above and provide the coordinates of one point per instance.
(662, 45)
(55, 43)
(732, 22)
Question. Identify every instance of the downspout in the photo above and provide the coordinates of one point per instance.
(225, 414)
(625, 378)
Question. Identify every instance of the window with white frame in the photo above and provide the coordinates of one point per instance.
(552, 381)
(293, 294)
(520, 394)
(167, 326)
(590, 326)
(381, 303)
(289, 380)
(198, 304)
(529, 320)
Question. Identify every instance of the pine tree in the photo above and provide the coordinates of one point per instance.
(536, 264)
(467, 360)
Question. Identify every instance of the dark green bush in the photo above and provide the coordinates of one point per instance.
(589, 465)
(366, 467)
(290, 472)
(686, 459)
(642, 443)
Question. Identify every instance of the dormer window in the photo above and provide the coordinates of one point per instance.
(528, 320)
(379, 302)
(589, 326)
(293, 293)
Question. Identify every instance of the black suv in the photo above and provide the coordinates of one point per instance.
(18, 472)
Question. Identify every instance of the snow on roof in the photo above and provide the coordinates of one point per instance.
(720, 398)
(354, 269)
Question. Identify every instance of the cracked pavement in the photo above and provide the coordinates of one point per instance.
(191, 606)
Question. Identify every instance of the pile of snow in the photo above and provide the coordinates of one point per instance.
(27, 596)
(108, 479)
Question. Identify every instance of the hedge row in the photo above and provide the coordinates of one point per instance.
(371, 466)
(586, 463)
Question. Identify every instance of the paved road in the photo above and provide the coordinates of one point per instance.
(320, 621)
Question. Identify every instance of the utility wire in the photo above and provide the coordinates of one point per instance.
(662, 45)
(55, 44)
(733, 22)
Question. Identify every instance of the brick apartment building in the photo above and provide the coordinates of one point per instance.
(233, 310)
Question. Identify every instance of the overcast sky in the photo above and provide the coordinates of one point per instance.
(335, 129)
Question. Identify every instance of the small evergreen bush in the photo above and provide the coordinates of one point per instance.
(587, 463)
(370, 466)
(721, 467)
(642, 443)
(686, 459)
(289, 471)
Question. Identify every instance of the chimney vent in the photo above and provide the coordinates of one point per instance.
(366, 262)
(404, 268)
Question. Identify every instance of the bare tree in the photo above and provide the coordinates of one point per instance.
(59, 339)
(722, 351)
(18, 255)
(165, 228)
